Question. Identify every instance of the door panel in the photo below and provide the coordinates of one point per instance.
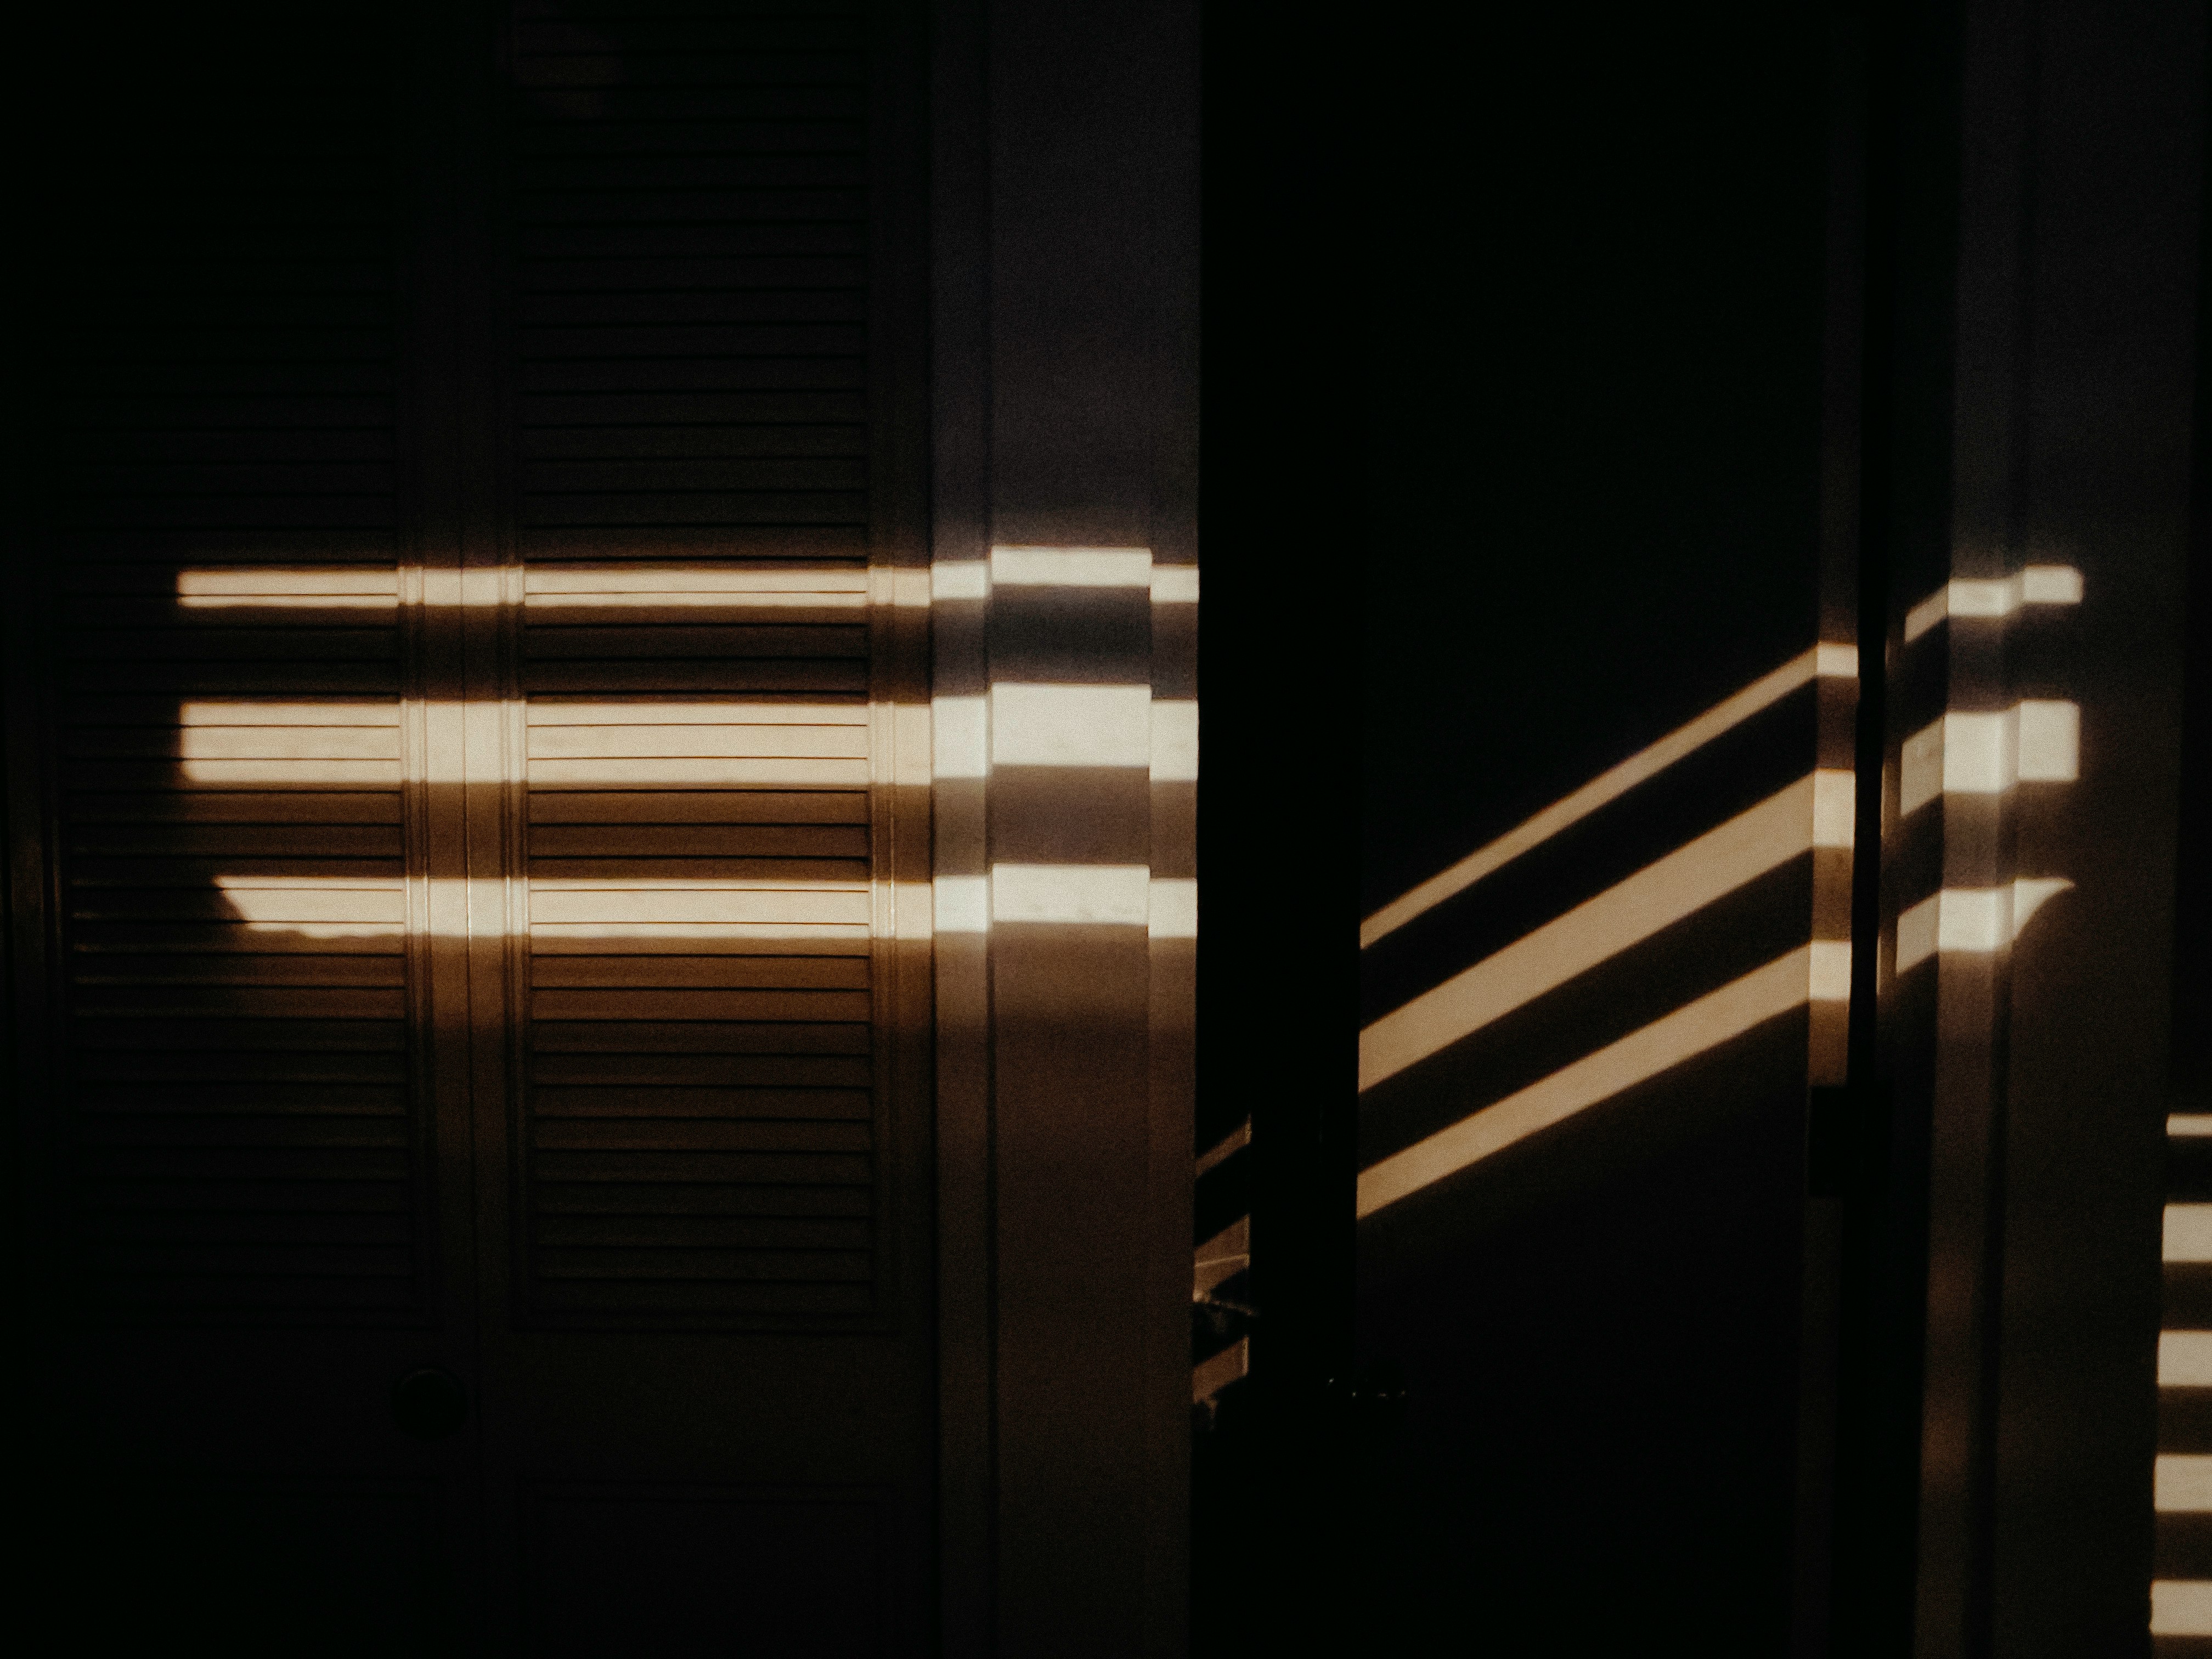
(795, 1572)
(461, 694)
(701, 1092)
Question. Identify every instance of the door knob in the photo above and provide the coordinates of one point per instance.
(430, 1403)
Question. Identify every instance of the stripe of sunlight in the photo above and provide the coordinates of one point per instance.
(2037, 740)
(1815, 811)
(1970, 596)
(1235, 1141)
(1824, 661)
(2189, 1123)
(1210, 1376)
(2187, 1233)
(340, 588)
(2184, 1359)
(1223, 1256)
(1090, 894)
(245, 744)
(1819, 972)
(2182, 1484)
(820, 912)
(957, 579)
(2181, 1607)
(1975, 920)
(337, 744)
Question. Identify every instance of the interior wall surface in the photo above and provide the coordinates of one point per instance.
(1593, 460)
(2039, 171)
(1064, 590)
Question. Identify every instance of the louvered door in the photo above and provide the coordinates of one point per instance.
(235, 1246)
(472, 754)
(700, 1072)
(705, 1345)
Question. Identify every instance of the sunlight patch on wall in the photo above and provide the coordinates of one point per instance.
(2187, 1233)
(1975, 920)
(2181, 1607)
(1823, 661)
(2182, 1484)
(2184, 1359)
(1819, 971)
(1090, 894)
(2037, 741)
(1815, 811)
(1072, 567)
(2039, 584)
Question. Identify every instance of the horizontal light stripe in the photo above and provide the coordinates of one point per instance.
(2187, 1233)
(1173, 911)
(2189, 1123)
(2182, 1484)
(1092, 894)
(1170, 584)
(1175, 740)
(1974, 920)
(1684, 882)
(734, 599)
(247, 714)
(646, 579)
(2181, 1607)
(253, 587)
(1827, 661)
(1174, 584)
(2184, 1359)
(1072, 567)
(2036, 741)
(960, 737)
(967, 580)
(1097, 895)
(253, 582)
(1783, 984)
(962, 904)
(1070, 725)
(374, 588)
(2039, 584)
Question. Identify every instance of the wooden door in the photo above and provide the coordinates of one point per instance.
(472, 1078)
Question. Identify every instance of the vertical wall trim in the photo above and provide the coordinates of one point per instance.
(960, 383)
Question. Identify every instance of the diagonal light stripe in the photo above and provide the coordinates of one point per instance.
(1826, 661)
(1786, 983)
(1210, 1376)
(1684, 882)
(1222, 1257)
(1236, 1140)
